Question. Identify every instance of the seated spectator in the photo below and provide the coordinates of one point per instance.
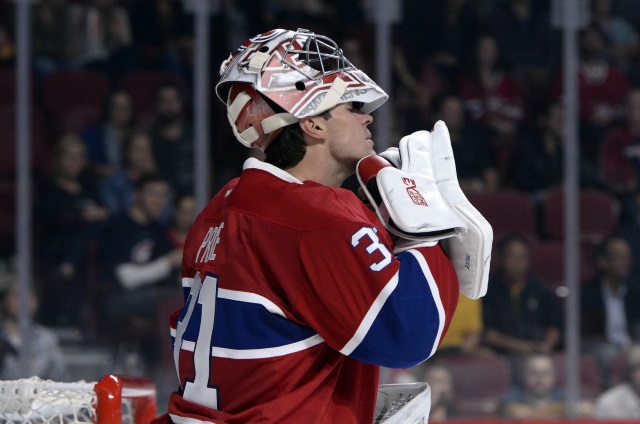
(539, 156)
(618, 29)
(610, 304)
(184, 214)
(601, 91)
(538, 395)
(465, 329)
(69, 216)
(139, 263)
(162, 35)
(521, 314)
(117, 190)
(105, 139)
(172, 138)
(491, 96)
(56, 42)
(620, 161)
(44, 357)
(108, 38)
(530, 47)
(629, 229)
(622, 401)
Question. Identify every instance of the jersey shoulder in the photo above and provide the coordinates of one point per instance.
(293, 205)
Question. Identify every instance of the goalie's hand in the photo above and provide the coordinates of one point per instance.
(406, 199)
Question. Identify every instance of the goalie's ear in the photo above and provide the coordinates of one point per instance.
(314, 127)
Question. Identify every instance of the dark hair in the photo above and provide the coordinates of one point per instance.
(510, 238)
(164, 85)
(149, 178)
(289, 147)
(601, 250)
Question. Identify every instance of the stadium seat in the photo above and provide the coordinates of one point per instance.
(65, 91)
(8, 87)
(598, 214)
(40, 150)
(141, 86)
(479, 382)
(547, 262)
(507, 211)
(590, 375)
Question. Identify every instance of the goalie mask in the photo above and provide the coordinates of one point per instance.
(299, 72)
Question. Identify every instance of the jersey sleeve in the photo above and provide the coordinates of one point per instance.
(371, 305)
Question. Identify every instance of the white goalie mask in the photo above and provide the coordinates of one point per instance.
(303, 73)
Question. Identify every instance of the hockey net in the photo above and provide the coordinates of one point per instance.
(112, 400)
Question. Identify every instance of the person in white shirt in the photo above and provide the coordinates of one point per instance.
(623, 400)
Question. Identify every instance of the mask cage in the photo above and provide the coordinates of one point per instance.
(318, 52)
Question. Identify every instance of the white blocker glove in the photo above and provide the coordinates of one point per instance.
(470, 249)
(406, 198)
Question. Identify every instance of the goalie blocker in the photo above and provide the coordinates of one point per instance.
(414, 190)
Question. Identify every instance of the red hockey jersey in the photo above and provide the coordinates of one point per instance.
(293, 300)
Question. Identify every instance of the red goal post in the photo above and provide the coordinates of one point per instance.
(114, 399)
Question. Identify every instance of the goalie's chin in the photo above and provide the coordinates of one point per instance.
(371, 146)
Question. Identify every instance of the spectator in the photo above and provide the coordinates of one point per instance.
(161, 35)
(117, 190)
(139, 264)
(184, 214)
(539, 157)
(618, 29)
(601, 90)
(528, 44)
(455, 26)
(610, 301)
(418, 86)
(44, 357)
(622, 401)
(55, 42)
(172, 138)
(620, 160)
(521, 314)
(465, 331)
(630, 230)
(105, 139)
(538, 397)
(69, 217)
(477, 170)
(492, 97)
(108, 39)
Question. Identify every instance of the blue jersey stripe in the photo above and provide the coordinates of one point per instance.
(400, 337)
(247, 326)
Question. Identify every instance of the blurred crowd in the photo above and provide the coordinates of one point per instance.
(113, 172)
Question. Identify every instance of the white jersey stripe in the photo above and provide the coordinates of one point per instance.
(270, 352)
(249, 297)
(370, 317)
(177, 419)
(435, 293)
(187, 282)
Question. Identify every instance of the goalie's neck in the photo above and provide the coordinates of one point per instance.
(321, 169)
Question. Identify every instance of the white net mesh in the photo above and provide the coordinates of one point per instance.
(39, 401)
(36, 401)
